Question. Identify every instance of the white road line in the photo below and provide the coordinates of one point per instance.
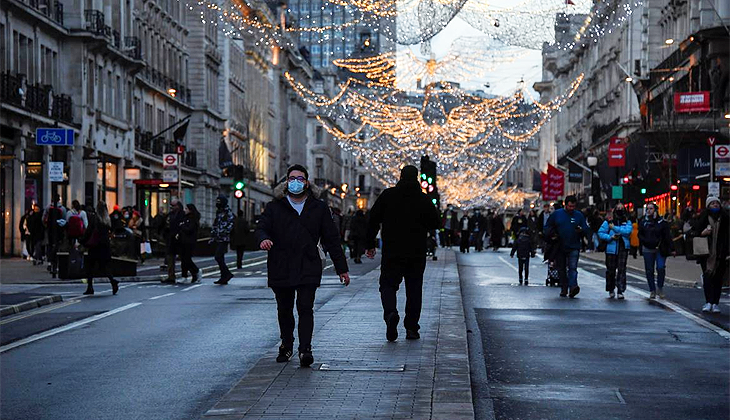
(676, 308)
(71, 326)
(509, 264)
(161, 296)
(191, 287)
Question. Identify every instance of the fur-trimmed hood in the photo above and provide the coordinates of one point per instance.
(314, 190)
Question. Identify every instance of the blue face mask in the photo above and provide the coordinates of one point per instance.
(296, 186)
(715, 210)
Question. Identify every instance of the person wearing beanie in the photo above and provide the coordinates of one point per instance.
(221, 236)
(405, 215)
(714, 224)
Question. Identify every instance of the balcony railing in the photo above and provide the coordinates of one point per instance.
(10, 88)
(37, 98)
(52, 9)
(63, 108)
(133, 47)
(95, 22)
(165, 83)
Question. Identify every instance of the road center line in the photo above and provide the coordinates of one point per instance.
(70, 326)
(509, 264)
(161, 296)
(191, 287)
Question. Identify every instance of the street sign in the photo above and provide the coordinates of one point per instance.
(170, 160)
(722, 160)
(616, 153)
(711, 141)
(55, 171)
(54, 137)
(617, 192)
(180, 150)
(169, 175)
(713, 189)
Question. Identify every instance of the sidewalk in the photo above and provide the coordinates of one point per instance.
(357, 373)
(680, 271)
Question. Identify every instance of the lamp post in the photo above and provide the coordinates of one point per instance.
(592, 162)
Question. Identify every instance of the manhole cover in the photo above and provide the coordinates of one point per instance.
(363, 367)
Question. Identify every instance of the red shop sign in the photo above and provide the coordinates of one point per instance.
(692, 101)
(617, 153)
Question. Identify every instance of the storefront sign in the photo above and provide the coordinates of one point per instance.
(575, 173)
(693, 162)
(617, 152)
(722, 160)
(617, 192)
(55, 171)
(713, 189)
(692, 101)
(169, 175)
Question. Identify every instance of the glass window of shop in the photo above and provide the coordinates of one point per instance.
(107, 183)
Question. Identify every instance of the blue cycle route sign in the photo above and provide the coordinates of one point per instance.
(54, 137)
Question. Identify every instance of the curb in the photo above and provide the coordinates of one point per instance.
(30, 304)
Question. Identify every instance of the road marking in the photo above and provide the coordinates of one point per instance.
(71, 326)
(620, 397)
(230, 265)
(39, 311)
(509, 264)
(673, 306)
(191, 287)
(161, 296)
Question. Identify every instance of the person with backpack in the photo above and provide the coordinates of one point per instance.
(616, 232)
(656, 242)
(54, 219)
(76, 222)
(524, 247)
(97, 241)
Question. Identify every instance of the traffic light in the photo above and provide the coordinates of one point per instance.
(643, 190)
(238, 183)
(428, 179)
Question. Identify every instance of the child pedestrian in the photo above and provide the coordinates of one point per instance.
(525, 248)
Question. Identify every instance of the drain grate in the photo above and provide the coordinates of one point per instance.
(361, 367)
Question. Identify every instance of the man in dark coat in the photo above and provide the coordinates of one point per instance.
(406, 216)
(289, 229)
(220, 235)
(172, 228)
(358, 233)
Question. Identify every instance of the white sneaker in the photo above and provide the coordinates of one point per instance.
(620, 295)
(707, 307)
(716, 309)
(611, 294)
(661, 294)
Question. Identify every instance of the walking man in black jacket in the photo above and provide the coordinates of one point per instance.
(406, 216)
(289, 229)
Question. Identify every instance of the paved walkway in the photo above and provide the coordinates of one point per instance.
(680, 271)
(357, 373)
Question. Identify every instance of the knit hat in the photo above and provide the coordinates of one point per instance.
(710, 200)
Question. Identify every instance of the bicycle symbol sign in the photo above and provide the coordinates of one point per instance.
(54, 137)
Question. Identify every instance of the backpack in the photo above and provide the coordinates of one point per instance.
(75, 227)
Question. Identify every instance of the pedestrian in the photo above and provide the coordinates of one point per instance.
(497, 231)
(450, 222)
(656, 243)
(714, 224)
(541, 222)
(54, 220)
(188, 239)
(96, 239)
(634, 239)
(570, 226)
(27, 249)
(480, 227)
(239, 237)
(37, 234)
(76, 222)
(116, 218)
(465, 233)
(136, 225)
(524, 247)
(358, 235)
(221, 236)
(616, 232)
(290, 229)
(518, 221)
(172, 235)
(405, 215)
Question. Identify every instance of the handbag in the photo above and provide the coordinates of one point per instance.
(700, 246)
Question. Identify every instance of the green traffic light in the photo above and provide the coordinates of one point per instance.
(239, 185)
(643, 190)
(423, 176)
(433, 200)
(430, 180)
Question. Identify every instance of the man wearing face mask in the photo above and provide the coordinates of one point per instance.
(616, 232)
(290, 228)
(221, 236)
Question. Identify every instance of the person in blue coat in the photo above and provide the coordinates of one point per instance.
(567, 227)
(616, 232)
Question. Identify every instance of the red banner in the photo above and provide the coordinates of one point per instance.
(545, 186)
(692, 101)
(617, 153)
(555, 183)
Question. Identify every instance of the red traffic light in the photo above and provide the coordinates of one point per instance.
(673, 188)
(424, 184)
(238, 194)
(430, 188)
(695, 187)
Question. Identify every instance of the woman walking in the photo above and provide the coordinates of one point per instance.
(188, 237)
(136, 225)
(616, 231)
(714, 224)
(656, 243)
(465, 233)
(96, 240)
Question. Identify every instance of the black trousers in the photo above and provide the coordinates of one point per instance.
(285, 297)
(464, 246)
(392, 272)
(186, 261)
(524, 264)
(220, 257)
(712, 284)
(239, 255)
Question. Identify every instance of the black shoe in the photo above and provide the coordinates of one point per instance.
(306, 358)
(285, 353)
(412, 335)
(520, 282)
(574, 291)
(169, 280)
(526, 282)
(224, 279)
(563, 293)
(115, 286)
(392, 326)
(435, 258)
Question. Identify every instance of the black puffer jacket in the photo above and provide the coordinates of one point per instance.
(406, 215)
(294, 258)
(653, 231)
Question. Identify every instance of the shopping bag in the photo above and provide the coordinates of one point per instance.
(145, 248)
(24, 248)
(700, 246)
